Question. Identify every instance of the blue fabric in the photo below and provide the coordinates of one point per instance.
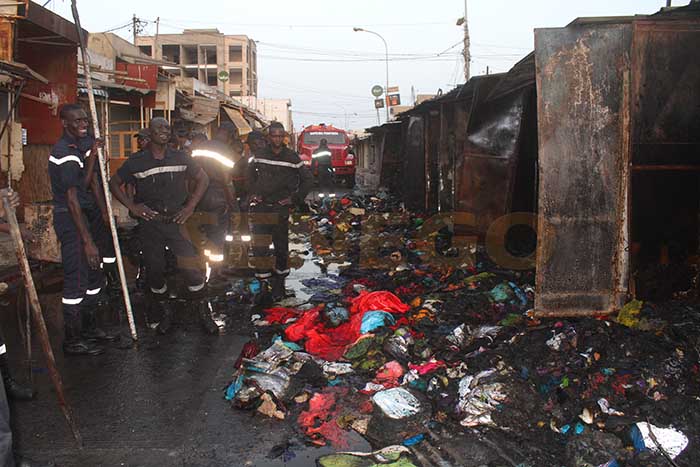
(376, 319)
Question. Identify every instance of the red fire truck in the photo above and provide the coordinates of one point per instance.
(342, 158)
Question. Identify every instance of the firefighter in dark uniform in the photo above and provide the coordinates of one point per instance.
(277, 179)
(323, 167)
(216, 158)
(162, 205)
(86, 244)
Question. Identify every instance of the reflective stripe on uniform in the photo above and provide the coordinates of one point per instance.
(109, 260)
(281, 272)
(3, 351)
(291, 165)
(195, 288)
(160, 291)
(64, 159)
(93, 291)
(263, 275)
(213, 155)
(160, 170)
(320, 154)
(71, 301)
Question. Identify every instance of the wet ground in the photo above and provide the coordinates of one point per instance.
(159, 403)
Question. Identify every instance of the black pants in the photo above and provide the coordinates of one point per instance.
(214, 224)
(155, 237)
(270, 226)
(80, 282)
(6, 457)
(325, 179)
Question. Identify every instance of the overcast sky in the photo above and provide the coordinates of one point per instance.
(308, 52)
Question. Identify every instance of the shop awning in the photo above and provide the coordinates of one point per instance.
(238, 120)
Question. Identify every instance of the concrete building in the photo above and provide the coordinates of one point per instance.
(279, 110)
(223, 61)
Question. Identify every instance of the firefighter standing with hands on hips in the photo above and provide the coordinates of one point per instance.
(162, 205)
(80, 224)
(277, 180)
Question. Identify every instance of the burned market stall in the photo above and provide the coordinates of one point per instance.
(618, 135)
(474, 149)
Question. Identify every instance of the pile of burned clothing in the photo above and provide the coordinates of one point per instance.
(444, 361)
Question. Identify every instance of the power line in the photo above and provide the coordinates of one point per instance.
(311, 26)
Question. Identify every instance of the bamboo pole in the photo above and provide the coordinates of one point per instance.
(11, 218)
(105, 175)
(567, 314)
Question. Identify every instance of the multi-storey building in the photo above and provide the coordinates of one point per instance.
(228, 62)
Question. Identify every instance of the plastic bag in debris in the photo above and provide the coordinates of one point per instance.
(379, 300)
(629, 315)
(271, 371)
(372, 320)
(391, 456)
(336, 368)
(478, 398)
(464, 335)
(398, 344)
(671, 440)
(397, 403)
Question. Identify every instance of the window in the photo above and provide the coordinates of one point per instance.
(313, 138)
(235, 76)
(235, 53)
(146, 49)
(171, 53)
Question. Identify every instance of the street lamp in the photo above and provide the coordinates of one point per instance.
(386, 51)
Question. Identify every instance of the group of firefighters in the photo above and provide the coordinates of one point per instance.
(163, 185)
(171, 177)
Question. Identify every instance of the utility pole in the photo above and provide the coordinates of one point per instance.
(134, 26)
(467, 55)
(154, 52)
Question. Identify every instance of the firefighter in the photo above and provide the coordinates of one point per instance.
(217, 160)
(162, 206)
(277, 179)
(323, 167)
(86, 244)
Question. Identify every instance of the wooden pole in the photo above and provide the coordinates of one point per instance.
(566, 314)
(105, 175)
(11, 218)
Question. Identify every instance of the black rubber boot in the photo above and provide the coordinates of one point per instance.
(278, 289)
(208, 324)
(112, 274)
(264, 297)
(13, 389)
(73, 343)
(167, 310)
(90, 331)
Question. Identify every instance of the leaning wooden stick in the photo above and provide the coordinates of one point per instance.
(103, 171)
(11, 218)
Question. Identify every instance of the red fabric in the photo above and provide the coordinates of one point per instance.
(379, 300)
(319, 422)
(250, 350)
(427, 367)
(280, 315)
(389, 374)
(327, 343)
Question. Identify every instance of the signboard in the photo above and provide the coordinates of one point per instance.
(393, 99)
(379, 103)
(377, 90)
(393, 89)
(223, 76)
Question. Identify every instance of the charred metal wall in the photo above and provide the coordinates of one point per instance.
(665, 140)
(582, 78)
